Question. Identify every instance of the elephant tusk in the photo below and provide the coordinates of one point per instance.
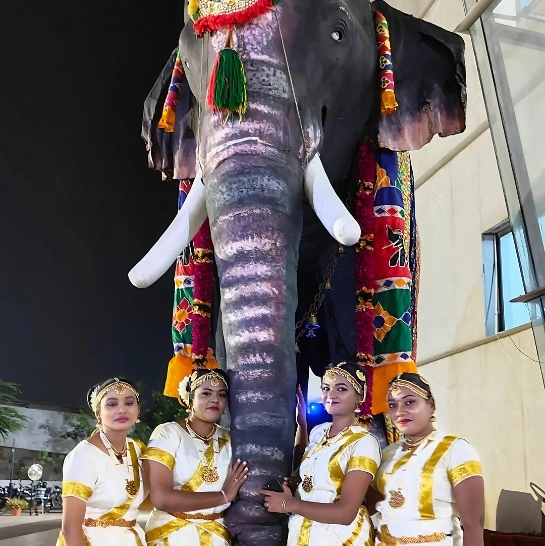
(328, 207)
(174, 240)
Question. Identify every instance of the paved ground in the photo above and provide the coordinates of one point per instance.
(41, 530)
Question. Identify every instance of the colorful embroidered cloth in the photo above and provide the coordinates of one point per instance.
(393, 289)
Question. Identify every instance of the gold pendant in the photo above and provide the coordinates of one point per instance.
(307, 484)
(131, 488)
(209, 474)
(397, 500)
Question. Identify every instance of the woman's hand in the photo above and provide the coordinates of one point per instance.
(301, 412)
(292, 482)
(236, 477)
(273, 500)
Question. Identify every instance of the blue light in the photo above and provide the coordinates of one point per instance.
(314, 408)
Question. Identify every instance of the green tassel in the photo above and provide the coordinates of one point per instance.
(227, 90)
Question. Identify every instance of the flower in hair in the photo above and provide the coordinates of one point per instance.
(183, 390)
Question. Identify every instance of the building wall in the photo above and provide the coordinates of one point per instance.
(487, 390)
(42, 431)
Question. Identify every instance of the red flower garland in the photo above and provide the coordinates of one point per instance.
(202, 295)
(365, 265)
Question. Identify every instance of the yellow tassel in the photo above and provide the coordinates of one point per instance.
(179, 367)
(382, 375)
(167, 120)
(388, 102)
(192, 7)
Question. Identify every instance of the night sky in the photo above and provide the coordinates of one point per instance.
(79, 206)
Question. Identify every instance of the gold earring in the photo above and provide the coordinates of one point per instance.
(433, 419)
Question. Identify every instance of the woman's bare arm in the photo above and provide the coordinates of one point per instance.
(164, 497)
(342, 512)
(73, 514)
(469, 497)
(372, 498)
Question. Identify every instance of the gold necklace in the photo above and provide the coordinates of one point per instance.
(120, 454)
(205, 439)
(397, 499)
(307, 484)
(413, 443)
(130, 485)
(209, 474)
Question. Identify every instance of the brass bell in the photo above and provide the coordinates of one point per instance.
(311, 326)
(327, 285)
(341, 249)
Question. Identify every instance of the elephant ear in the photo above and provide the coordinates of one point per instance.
(430, 88)
(173, 150)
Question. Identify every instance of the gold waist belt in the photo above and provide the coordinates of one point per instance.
(108, 523)
(198, 515)
(385, 537)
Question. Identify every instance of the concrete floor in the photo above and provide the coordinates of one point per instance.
(41, 530)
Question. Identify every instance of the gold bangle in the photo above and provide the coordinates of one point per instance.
(284, 505)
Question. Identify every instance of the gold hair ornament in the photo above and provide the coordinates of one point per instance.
(397, 384)
(194, 381)
(118, 386)
(332, 373)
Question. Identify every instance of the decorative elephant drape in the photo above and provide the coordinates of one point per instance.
(294, 119)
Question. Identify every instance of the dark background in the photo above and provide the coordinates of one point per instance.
(79, 206)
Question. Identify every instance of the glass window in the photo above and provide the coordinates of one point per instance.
(502, 283)
(510, 285)
(509, 45)
(514, 37)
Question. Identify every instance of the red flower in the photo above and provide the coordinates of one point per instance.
(183, 316)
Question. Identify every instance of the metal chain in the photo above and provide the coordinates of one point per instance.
(320, 295)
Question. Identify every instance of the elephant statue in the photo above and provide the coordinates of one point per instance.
(273, 168)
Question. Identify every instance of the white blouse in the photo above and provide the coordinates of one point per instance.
(323, 472)
(418, 489)
(90, 474)
(190, 461)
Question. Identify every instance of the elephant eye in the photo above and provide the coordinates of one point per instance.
(337, 35)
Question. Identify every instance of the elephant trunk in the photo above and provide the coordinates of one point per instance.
(254, 207)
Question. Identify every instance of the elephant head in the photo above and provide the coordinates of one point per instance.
(280, 172)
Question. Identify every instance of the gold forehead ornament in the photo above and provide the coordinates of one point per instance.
(396, 386)
(118, 386)
(214, 377)
(332, 373)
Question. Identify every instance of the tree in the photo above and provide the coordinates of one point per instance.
(10, 419)
(46, 460)
(85, 424)
(163, 409)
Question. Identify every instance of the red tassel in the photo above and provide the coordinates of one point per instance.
(212, 84)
